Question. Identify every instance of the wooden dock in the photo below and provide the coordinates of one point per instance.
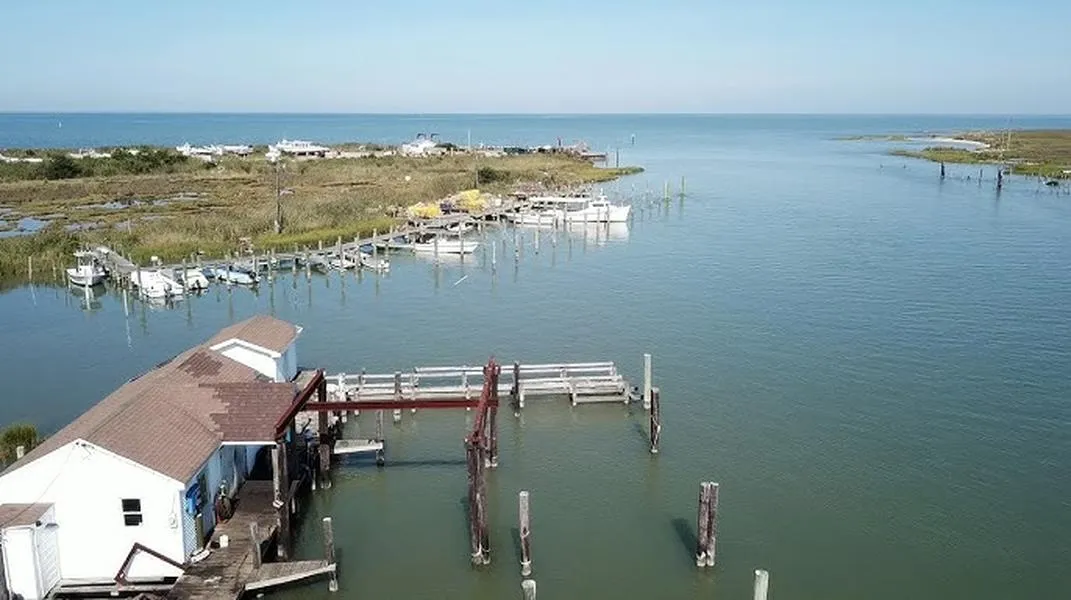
(122, 268)
(581, 382)
(227, 573)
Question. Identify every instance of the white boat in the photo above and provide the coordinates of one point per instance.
(154, 284)
(342, 263)
(552, 211)
(444, 244)
(299, 148)
(374, 263)
(88, 272)
(193, 279)
(230, 274)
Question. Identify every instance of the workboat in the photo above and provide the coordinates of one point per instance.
(233, 274)
(192, 279)
(433, 243)
(152, 283)
(374, 263)
(88, 272)
(342, 263)
(552, 211)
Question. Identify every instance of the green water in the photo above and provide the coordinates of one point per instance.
(873, 364)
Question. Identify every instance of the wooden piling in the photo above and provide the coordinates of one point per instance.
(518, 399)
(329, 553)
(525, 534)
(942, 170)
(528, 588)
(397, 413)
(712, 527)
(29, 267)
(656, 419)
(762, 584)
(647, 381)
(472, 460)
(703, 525)
(254, 536)
(492, 429)
(281, 489)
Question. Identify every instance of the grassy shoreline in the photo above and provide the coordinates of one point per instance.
(180, 207)
(1036, 153)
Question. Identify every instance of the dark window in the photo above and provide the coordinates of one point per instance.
(132, 512)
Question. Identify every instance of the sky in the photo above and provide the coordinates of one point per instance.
(537, 56)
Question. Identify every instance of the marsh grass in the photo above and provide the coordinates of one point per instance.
(236, 199)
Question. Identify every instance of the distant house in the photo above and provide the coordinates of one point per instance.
(145, 465)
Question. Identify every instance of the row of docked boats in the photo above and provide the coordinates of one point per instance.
(558, 211)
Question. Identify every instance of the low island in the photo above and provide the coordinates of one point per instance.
(1037, 153)
(152, 201)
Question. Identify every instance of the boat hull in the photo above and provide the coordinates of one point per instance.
(85, 278)
(446, 247)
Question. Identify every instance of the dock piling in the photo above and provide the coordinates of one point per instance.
(281, 490)
(329, 553)
(29, 267)
(705, 524)
(254, 536)
(656, 419)
(525, 534)
(762, 584)
(518, 398)
(397, 413)
(647, 381)
(528, 588)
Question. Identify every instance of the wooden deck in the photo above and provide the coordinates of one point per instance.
(224, 573)
(275, 574)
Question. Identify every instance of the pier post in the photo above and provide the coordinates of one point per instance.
(281, 490)
(703, 535)
(492, 429)
(682, 185)
(528, 588)
(472, 462)
(762, 584)
(494, 261)
(518, 398)
(525, 534)
(329, 553)
(341, 258)
(656, 419)
(713, 526)
(324, 448)
(647, 381)
(29, 267)
(397, 413)
(254, 536)
(942, 170)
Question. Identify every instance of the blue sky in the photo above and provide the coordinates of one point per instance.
(827, 56)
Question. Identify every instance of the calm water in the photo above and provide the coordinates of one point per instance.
(872, 363)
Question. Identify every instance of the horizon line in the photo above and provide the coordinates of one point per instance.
(532, 114)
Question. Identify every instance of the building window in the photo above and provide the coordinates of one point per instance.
(132, 512)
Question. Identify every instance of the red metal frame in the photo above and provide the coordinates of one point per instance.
(120, 577)
(299, 402)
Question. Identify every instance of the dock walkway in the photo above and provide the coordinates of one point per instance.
(122, 268)
(229, 572)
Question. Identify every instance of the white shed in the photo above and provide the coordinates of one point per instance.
(144, 466)
(29, 547)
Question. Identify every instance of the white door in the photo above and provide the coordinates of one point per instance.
(46, 547)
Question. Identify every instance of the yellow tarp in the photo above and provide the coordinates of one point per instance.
(424, 210)
(472, 201)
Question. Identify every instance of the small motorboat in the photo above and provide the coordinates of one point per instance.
(151, 283)
(374, 263)
(88, 272)
(193, 279)
(444, 244)
(233, 274)
(342, 263)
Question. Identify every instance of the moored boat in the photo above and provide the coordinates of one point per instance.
(375, 263)
(88, 272)
(444, 244)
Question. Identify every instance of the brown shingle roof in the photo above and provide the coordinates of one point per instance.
(18, 515)
(174, 417)
(262, 330)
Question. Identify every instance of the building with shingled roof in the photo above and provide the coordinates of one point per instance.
(144, 465)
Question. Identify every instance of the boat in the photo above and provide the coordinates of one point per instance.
(192, 279)
(233, 274)
(88, 272)
(151, 283)
(342, 263)
(552, 211)
(433, 243)
(397, 243)
(374, 263)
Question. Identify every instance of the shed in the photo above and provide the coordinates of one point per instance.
(29, 547)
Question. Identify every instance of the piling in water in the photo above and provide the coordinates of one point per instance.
(762, 584)
(329, 553)
(656, 420)
(525, 534)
